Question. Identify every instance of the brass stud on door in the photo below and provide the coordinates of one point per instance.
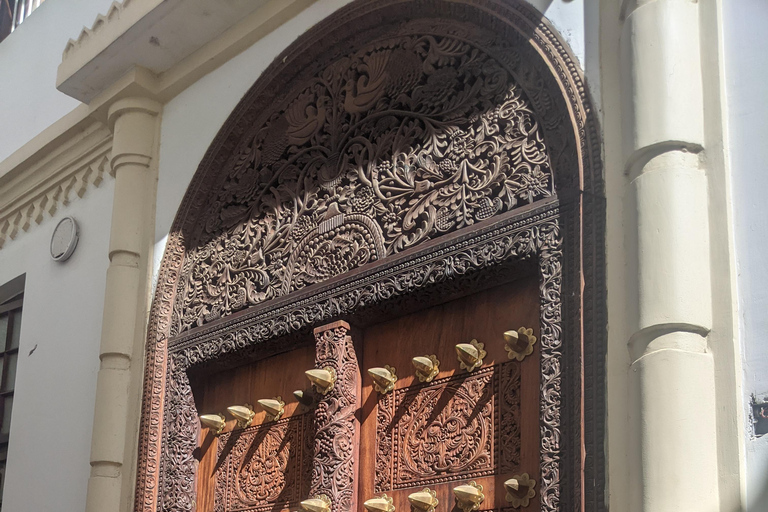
(243, 414)
(470, 355)
(427, 367)
(323, 380)
(215, 422)
(274, 407)
(380, 504)
(520, 490)
(305, 397)
(424, 501)
(321, 503)
(519, 343)
(469, 496)
(383, 378)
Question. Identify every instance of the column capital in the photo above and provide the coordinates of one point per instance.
(134, 125)
(132, 104)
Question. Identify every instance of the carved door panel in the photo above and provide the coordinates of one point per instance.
(266, 466)
(480, 426)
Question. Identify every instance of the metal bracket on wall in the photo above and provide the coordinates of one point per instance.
(760, 415)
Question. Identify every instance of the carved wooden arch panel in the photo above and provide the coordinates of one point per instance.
(399, 147)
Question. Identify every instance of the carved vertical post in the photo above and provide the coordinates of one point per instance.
(337, 429)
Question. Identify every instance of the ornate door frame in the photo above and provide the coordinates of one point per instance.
(559, 236)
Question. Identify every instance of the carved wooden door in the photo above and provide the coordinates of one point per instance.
(466, 425)
(266, 466)
(462, 427)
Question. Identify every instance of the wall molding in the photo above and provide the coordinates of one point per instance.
(53, 176)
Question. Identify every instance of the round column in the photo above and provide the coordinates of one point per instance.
(672, 368)
(118, 388)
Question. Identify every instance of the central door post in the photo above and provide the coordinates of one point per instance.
(337, 428)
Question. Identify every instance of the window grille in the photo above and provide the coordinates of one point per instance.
(10, 330)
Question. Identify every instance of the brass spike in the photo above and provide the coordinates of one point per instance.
(425, 500)
(320, 503)
(469, 496)
(470, 355)
(381, 504)
(275, 407)
(520, 490)
(215, 422)
(427, 367)
(323, 380)
(519, 344)
(242, 413)
(383, 378)
(305, 397)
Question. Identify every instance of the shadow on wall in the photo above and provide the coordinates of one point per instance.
(758, 502)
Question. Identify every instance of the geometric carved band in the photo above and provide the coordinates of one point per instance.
(337, 434)
(474, 433)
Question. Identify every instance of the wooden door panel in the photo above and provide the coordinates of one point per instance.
(265, 467)
(480, 426)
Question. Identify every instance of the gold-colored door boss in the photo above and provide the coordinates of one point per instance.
(274, 407)
(427, 367)
(520, 490)
(519, 343)
(424, 501)
(470, 355)
(323, 380)
(242, 413)
(321, 503)
(381, 504)
(469, 496)
(215, 422)
(383, 378)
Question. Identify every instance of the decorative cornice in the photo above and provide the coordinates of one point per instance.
(36, 189)
(87, 34)
(175, 42)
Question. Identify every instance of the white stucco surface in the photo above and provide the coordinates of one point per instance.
(29, 57)
(747, 90)
(50, 439)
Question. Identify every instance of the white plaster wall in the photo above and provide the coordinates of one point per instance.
(29, 57)
(48, 458)
(747, 95)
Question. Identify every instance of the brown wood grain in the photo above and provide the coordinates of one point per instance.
(483, 316)
(278, 375)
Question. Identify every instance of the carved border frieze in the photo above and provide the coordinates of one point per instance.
(29, 195)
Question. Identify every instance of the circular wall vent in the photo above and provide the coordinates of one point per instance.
(64, 239)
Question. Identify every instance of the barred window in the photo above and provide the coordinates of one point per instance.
(10, 331)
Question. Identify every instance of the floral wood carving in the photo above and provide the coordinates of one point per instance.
(513, 34)
(266, 467)
(403, 140)
(478, 428)
(334, 466)
(537, 234)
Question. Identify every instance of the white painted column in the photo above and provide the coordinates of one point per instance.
(672, 367)
(118, 388)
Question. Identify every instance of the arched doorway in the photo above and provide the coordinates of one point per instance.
(400, 156)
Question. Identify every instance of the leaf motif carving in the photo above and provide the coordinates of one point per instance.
(420, 135)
